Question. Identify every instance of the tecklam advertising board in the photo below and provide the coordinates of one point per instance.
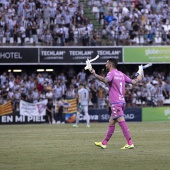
(78, 55)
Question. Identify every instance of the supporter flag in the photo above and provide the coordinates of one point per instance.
(33, 109)
(69, 109)
(6, 108)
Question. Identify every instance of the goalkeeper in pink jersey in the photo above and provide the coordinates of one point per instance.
(116, 81)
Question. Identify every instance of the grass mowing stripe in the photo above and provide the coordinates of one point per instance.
(61, 147)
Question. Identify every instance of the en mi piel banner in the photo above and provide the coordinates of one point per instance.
(6, 108)
(33, 109)
(152, 54)
(69, 109)
(156, 114)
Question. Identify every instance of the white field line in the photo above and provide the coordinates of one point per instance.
(85, 132)
(118, 131)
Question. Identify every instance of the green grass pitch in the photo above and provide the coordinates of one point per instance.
(62, 147)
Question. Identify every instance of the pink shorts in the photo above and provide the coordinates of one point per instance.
(117, 110)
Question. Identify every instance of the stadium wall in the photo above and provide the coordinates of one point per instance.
(96, 115)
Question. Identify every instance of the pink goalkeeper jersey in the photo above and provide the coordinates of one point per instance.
(117, 82)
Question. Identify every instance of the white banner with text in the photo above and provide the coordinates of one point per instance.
(33, 109)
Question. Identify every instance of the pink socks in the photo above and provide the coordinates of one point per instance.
(109, 134)
(126, 132)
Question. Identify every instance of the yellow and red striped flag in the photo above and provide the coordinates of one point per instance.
(6, 108)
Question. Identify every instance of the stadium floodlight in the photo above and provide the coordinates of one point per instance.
(49, 70)
(40, 70)
(17, 70)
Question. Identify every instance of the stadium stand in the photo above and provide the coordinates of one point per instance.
(87, 23)
(67, 22)
(154, 91)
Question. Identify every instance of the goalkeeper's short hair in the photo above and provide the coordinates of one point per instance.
(113, 61)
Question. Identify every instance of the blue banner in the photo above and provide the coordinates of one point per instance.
(96, 115)
(102, 115)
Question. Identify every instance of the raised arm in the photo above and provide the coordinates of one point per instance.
(138, 79)
(140, 75)
(103, 79)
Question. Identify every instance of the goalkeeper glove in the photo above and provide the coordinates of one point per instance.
(80, 107)
(88, 65)
(140, 71)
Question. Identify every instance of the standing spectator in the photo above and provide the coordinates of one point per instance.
(168, 77)
(48, 38)
(134, 96)
(49, 111)
(143, 95)
(104, 36)
(32, 4)
(66, 35)
(161, 91)
(3, 78)
(61, 35)
(17, 97)
(93, 95)
(68, 19)
(15, 34)
(46, 14)
(76, 35)
(41, 37)
(62, 76)
(128, 95)
(150, 37)
(58, 91)
(22, 34)
(101, 97)
(70, 93)
(49, 94)
(34, 33)
(136, 25)
(154, 93)
(164, 36)
(11, 10)
(40, 80)
(7, 35)
(11, 82)
(29, 96)
(60, 111)
(167, 88)
(168, 38)
(71, 36)
(1, 34)
(11, 24)
(20, 5)
(42, 96)
(35, 95)
(3, 96)
(139, 96)
(82, 76)
(52, 6)
(11, 97)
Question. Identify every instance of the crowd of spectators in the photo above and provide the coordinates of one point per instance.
(42, 22)
(34, 87)
(64, 22)
(128, 22)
